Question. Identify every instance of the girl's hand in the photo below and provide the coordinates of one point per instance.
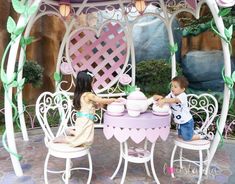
(120, 100)
(157, 97)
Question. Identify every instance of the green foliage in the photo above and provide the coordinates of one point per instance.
(57, 77)
(33, 73)
(154, 76)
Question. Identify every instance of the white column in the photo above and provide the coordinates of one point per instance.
(8, 97)
(227, 67)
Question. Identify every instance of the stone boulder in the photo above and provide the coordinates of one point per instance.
(151, 39)
(203, 69)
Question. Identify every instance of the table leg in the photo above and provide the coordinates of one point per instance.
(119, 162)
(125, 163)
(152, 164)
(146, 163)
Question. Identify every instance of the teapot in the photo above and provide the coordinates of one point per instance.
(137, 103)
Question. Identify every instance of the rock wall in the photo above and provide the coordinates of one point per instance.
(206, 41)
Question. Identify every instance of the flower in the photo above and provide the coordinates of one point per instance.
(125, 79)
(225, 3)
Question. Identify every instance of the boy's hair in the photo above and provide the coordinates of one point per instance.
(83, 84)
(183, 82)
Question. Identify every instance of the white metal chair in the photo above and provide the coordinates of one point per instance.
(59, 102)
(204, 109)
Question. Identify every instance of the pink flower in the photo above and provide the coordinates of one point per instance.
(125, 79)
(225, 3)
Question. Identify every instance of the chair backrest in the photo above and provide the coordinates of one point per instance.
(47, 105)
(204, 109)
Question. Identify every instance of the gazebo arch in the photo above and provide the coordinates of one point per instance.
(126, 8)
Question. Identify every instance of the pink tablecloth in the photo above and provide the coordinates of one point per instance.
(147, 125)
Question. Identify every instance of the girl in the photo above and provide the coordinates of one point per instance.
(85, 101)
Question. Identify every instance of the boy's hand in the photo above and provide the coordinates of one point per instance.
(160, 102)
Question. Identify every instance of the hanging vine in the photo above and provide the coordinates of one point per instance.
(15, 32)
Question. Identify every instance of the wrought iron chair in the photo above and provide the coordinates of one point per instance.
(59, 102)
(204, 109)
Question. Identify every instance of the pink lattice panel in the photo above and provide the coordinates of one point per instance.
(104, 55)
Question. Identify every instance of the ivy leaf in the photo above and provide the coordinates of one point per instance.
(229, 32)
(176, 47)
(29, 40)
(224, 11)
(21, 83)
(19, 31)
(22, 41)
(13, 36)
(14, 84)
(32, 9)
(12, 78)
(173, 48)
(57, 77)
(18, 6)
(11, 25)
(228, 81)
(4, 77)
(26, 41)
(233, 76)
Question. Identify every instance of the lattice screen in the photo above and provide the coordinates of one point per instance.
(104, 55)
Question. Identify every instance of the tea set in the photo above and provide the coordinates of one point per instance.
(136, 103)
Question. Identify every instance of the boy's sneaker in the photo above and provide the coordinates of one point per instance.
(208, 137)
(198, 131)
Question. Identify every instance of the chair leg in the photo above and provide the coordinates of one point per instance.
(181, 152)
(90, 169)
(207, 162)
(200, 166)
(119, 162)
(67, 171)
(147, 169)
(45, 168)
(172, 162)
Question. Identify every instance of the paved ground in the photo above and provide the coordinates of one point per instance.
(105, 157)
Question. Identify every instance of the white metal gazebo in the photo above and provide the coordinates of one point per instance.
(109, 54)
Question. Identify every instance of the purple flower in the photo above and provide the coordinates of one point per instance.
(125, 79)
(225, 3)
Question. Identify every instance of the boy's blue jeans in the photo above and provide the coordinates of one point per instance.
(186, 130)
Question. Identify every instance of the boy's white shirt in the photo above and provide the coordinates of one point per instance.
(180, 111)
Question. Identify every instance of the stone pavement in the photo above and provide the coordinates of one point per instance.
(105, 158)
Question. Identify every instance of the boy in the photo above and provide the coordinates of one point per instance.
(177, 100)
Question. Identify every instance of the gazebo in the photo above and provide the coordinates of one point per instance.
(105, 48)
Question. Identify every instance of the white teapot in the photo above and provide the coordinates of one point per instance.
(137, 103)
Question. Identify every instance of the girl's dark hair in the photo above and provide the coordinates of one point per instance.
(83, 84)
(183, 82)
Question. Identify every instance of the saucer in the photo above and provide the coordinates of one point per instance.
(160, 113)
(115, 113)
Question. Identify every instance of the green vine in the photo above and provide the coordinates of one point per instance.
(26, 10)
(228, 80)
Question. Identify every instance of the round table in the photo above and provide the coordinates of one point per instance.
(147, 126)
